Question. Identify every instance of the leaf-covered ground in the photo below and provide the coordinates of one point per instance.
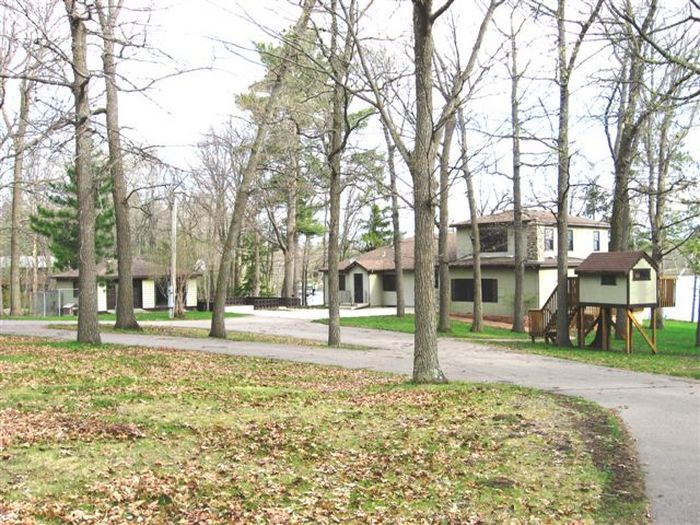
(134, 435)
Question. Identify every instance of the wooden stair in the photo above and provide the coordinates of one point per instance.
(543, 322)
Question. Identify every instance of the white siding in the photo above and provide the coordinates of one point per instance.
(547, 283)
(593, 292)
(506, 291)
(148, 289)
(375, 289)
(191, 298)
(642, 292)
(101, 297)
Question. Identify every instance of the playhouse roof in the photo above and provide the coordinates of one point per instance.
(612, 263)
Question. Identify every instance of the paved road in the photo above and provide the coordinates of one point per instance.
(662, 413)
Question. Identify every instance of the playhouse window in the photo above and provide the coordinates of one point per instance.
(596, 241)
(341, 282)
(549, 239)
(608, 280)
(389, 282)
(643, 274)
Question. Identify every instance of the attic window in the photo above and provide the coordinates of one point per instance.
(643, 274)
(608, 280)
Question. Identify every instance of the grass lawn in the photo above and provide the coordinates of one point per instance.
(161, 315)
(232, 335)
(677, 354)
(117, 434)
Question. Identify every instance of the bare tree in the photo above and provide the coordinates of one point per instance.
(218, 326)
(396, 228)
(443, 230)
(88, 327)
(108, 15)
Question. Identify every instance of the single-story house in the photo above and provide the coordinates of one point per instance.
(151, 284)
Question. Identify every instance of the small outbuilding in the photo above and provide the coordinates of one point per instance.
(622, 280)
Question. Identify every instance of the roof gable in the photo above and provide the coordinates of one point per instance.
(612, 263)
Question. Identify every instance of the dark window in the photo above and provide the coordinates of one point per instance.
(570, 236)
(389, 282)
(341, 282)
(493, 240)
(596, 241)
(608, 280)
(641, 275)
(463, 290)
(549, 239)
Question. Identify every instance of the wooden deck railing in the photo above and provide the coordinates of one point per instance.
(666, 290)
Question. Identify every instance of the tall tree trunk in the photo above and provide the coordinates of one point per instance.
(126, 318)
(563, 338)
(426, 366)
(18, 143)
(290, 251)
(255, 287)
(518, 230)
(218, 327)
(697, 330)
(334, 155)
(443, 232)
(398, 258)
(88, 327)
(477, 314)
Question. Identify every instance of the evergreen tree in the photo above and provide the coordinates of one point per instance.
(378, 231)
(59, 222)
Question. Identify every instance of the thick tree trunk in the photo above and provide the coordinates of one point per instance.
(519, 232)
(426, 366)
(334, 155)
(88, 327)
(443, 232)
(18, 143)
(126, 318)
(255, 286)
(398, 258)
(563, 338)
(218, 327)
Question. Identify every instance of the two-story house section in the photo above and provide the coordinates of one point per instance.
(497, 240)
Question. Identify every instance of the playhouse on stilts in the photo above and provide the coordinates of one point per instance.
(609, 288)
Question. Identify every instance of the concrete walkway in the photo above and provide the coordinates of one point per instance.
(662, 413)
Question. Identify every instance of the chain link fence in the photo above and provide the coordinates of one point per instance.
(54, 303)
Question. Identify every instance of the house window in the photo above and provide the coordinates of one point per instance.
(493, 240)
(389, 282)
(549, 239)
(608, 280)
(341, 282)
(641, 275)
(570, 237)
(596, 241)
(463, 290)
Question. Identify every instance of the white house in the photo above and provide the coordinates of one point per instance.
(369, 278)
(151, 282)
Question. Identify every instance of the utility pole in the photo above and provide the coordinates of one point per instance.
(173, 259)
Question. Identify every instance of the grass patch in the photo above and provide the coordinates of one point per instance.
(160, 315)
(676, 356)
(160, 436)
(232, 335)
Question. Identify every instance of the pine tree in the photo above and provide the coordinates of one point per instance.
(59, 222)
(378, 231)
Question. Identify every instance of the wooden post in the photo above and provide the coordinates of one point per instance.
(604, 328)
(653, 327)
(580, 327)
(628, 331)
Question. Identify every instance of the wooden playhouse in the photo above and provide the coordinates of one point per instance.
(609, 284)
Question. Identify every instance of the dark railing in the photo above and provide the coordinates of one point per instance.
(258, 303)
